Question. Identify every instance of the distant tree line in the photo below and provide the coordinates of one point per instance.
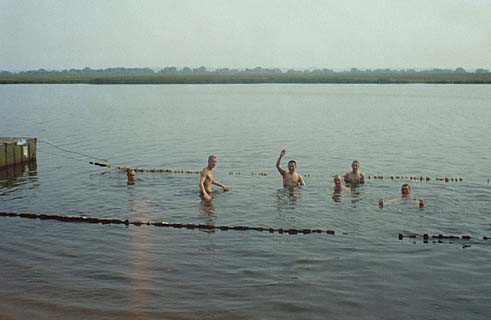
(256, 70)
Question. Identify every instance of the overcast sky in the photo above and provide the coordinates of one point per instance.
(63, 34)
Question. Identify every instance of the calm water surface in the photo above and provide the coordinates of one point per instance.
(55, 270)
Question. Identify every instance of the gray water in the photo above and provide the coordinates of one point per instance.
(56, 270)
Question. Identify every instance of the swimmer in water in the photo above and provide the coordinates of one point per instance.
(355, 177)
(290, 177)
(338, 185)
(338, 188)
(406, 194)
(206, 180)
(131, 174)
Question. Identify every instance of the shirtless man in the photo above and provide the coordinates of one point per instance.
(338, 185)
(206, 180)
(355, 177)
(290, 177)
(405, 193)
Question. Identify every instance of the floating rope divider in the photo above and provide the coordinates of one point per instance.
(165, 224)
(415, 178)
(163, 170)
(84, 219)
(238, 173)
(426, 237)
(70, 151)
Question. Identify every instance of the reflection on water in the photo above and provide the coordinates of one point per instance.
(336, 196)
(140, 257)
(206, 208)
(207, 212)
(356, 195)
(11, 176)
(251, 273)
(288, 197)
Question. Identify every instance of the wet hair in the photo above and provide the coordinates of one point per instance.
(406, 185)
(356, 161)
(211, 157)
(293, 161)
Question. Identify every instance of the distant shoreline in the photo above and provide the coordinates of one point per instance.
(249, 78)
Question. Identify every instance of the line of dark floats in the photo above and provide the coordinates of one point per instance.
(83, 219)
(182, 171)
(415, 178)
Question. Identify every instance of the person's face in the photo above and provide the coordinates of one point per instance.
(355, 166)
(337, 180)
(291, 167)
(405, 190)
(212, 162)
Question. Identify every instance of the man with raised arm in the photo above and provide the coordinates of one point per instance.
(290, 177)
(355, 177)
(206, 180)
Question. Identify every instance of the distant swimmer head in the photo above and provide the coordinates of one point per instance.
(131, 174)
(292, 165)
(212, 161)
(405, 189)
(355, 165)
(338, 180)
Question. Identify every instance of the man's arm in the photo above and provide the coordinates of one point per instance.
(278, 166)
(301, 181)
(202, 179)
(224, 187)
(362, 177)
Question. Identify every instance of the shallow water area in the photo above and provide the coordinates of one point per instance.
(53, 269)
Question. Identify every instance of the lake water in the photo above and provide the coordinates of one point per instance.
(56, 270)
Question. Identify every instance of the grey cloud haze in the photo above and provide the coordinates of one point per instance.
(61, 34)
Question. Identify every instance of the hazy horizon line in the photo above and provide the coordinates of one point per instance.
(241, 69)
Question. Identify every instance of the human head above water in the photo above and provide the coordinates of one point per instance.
(212, 160)
(292, 165)
(405, 189)
(355, 165)
(131, 174)
(338, 180)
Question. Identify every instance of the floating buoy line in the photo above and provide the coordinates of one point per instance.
(101, 162)
(238, 173)
(440, 238)
(85, 219)
(416, 178)
(70, 151)
(176, 171)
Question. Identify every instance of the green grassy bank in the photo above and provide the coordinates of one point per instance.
(248, 77)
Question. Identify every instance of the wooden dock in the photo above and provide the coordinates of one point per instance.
(17, 150)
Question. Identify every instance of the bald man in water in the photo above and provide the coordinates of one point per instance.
(290, 177)
(338, 184)
(206, 180)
